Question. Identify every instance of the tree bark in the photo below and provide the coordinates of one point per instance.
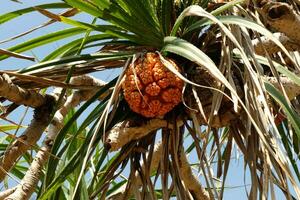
(30, 180)
(32, 134)
(28, 184)
(266, 44)
(6, 193)
(19, 95)
(190, 180)
(282, 18)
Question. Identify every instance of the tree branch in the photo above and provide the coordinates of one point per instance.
(28, 184)
(282, 18)
(30, 180)
(266, 44)
(291, 88)
(122, 132)
(6, 193)
(190, 180)
(31, 135)
(19, 95)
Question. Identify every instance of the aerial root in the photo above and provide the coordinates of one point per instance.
(190, 180)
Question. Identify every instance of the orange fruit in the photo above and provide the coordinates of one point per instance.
(150, 88)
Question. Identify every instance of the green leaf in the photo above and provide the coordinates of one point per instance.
(202, 22)
(140, 11)
(119, 14)
(112, 164)
(9, 127)
(61, 136)
(75, 43)
(76, 161)
(57, 178)
(3, 147)
(239, 21)
(11, 15)
(292, 116)
(166, 15)
(78, 59)
(17, 172)
(84, 6)
(189, 51)
(99, 45)
(108, 29)
(62, 175)
(291, 75)
(45, 39)
(115, 187)
(75, 143)
(287, 145)
(83, 190)
(103, 155)
(92, 116)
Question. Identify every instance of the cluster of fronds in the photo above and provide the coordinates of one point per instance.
(239, 61)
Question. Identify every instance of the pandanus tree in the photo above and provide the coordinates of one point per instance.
(201, 77)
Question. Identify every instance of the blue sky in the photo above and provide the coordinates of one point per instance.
(236, 179)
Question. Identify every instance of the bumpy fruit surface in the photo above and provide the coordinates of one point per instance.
(150, 88)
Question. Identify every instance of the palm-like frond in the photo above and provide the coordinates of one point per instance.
(232, 99)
